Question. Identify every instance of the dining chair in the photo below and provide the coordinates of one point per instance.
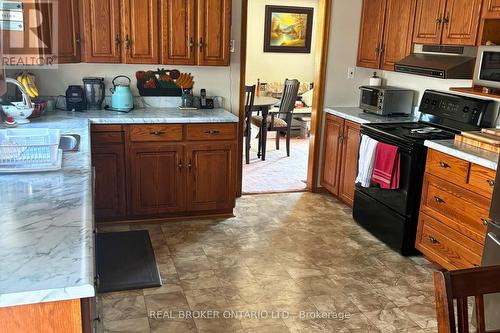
(281, 121)
(459, 285)
(249, 101)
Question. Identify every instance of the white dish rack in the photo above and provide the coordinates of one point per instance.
(30, 150)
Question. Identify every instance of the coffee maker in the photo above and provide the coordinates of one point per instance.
(94, 92)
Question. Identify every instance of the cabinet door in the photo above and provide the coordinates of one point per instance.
(429, 21)
(101, 21)
(398, 31)
(491, 9)
(350, 153)
(461, 22)
(211, 178)
(69, 32)
(178, 32)
(156, 179)
(214, 32)
(332, 153)
(140, 31)
(371, 32)
(109, 164)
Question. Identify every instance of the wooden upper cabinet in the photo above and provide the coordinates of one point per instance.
(429, 21)
(178, 32)
(350, 153)
(140, 31)
(491, 9)
(211, 179)
(332, 153)
(371, 33)
(69, 47)
(398, 31)
(101, 22)
(461, 22)
(214, 32)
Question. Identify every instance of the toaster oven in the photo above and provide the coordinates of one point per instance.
(386, 101)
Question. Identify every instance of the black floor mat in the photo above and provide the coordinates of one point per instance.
(125, 260)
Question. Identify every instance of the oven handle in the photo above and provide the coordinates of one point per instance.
(494, 238)
(367, 89)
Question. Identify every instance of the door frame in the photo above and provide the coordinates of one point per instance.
(321, 60)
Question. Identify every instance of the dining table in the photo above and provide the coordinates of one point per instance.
(261, 104)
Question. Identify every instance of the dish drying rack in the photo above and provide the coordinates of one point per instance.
(30, 150)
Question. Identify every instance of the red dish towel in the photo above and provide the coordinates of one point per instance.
(387, 164)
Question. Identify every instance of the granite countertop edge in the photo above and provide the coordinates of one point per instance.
(465, 152)
(357, 115)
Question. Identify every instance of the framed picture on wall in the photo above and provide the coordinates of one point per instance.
(288, 29)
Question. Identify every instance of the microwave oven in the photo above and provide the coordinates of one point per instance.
(487, 71)
(386, 101)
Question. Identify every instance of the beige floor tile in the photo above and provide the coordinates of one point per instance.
(199, 280)
(391, 320)
(123, 308)
(422, 314)
(137, 325)
(172, 326)
(170, 284)
(206, 299)
(174, 302)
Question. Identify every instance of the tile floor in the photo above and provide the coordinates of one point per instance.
(278, 173)
(295, 261)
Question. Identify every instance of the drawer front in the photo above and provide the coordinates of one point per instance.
(446, 247)
(155, 133)
(482, 180)
(99, 138)
(207, 132)
(106, 128)
(456, 204)
(447, 167)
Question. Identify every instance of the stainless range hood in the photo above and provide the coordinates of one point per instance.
(438, 61)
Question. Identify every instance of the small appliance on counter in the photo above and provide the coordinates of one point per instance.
(94, 92)
(121, 98)
(204, 102)
(75, 99)
(386, 101)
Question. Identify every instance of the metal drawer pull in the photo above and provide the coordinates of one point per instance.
(491, 182)
(180, 165)
(494, 238)
(157, 133)
(444, 165)
(485, 222)
(434, 240)
(189, 166)
(212, 132)
(439, 200)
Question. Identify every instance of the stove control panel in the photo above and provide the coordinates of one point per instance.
(462, 109)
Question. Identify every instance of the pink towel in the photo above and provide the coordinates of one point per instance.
(387, 163)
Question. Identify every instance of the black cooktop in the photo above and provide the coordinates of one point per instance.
(415, 132)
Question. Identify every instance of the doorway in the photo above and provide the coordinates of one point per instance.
(280, 172)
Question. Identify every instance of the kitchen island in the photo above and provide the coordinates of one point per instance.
(47, 222)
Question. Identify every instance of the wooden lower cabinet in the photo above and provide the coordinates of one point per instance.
(156, 171)
(454, 211)
(340, 157)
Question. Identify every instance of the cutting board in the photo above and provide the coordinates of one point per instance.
(460, 139)
(483, 137)
(492, 131)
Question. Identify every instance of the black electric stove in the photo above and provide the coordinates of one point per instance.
(392, 215)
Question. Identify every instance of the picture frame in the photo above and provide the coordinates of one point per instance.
(288, 29)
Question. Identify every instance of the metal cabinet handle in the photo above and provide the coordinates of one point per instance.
(444, 165)
(484, 221)
(433, 240)
(189, 166)
(439, 200)
(212, 132)
(157, 133)
(191, 43)
(78, 39)
(491, 182)
(117, 40)
(127, 42)
(439, 21)
(447, 19)
(180, 165)
(202, 44)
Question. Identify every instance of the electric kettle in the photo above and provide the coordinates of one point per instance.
(121, 98)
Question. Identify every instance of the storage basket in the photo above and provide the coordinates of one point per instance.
(29, 147)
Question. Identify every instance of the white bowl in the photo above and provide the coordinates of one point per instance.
(19, 112)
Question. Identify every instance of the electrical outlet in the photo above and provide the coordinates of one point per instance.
(351, 73)
(231, 46)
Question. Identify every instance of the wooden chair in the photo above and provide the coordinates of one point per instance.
(281, 121)
(459, 285)
(249, 100)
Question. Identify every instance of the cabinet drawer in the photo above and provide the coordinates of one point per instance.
(106, 128)
(446, 247)
(447, 167)
(203, 132)
(482, 180)
(155, 133)
(99, 138)
(466, 209)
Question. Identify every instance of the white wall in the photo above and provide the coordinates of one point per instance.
(219, 81)
(276, 67)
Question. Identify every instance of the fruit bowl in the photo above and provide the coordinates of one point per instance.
(39, 108)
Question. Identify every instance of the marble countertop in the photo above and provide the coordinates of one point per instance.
(465, 152)
(46, 224)
(357, 115)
